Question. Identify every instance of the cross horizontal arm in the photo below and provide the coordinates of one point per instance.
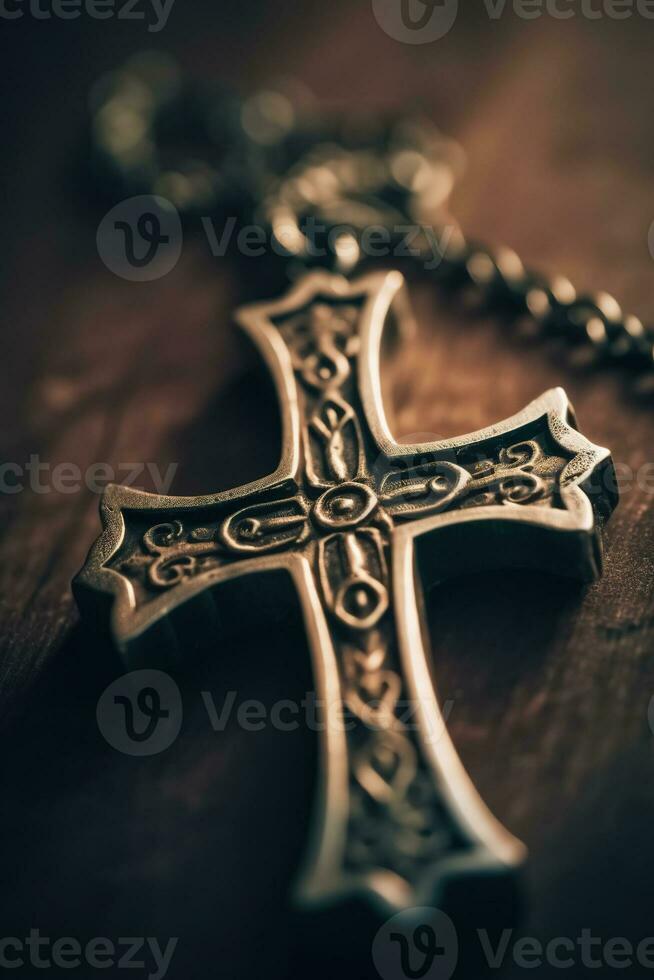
(361, 523)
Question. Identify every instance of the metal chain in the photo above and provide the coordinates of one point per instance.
(496, 277)
(271, 160)
(504, 286)
(375, 186)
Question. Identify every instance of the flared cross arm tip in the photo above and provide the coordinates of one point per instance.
(362, 524)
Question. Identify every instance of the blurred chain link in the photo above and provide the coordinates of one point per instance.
(278, 160)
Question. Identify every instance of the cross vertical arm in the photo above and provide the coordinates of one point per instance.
(362, 523)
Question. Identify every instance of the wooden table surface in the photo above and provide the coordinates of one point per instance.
(550, 683)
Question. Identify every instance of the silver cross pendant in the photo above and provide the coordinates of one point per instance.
(362, 525)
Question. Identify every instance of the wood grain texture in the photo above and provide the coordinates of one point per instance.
(550, 684)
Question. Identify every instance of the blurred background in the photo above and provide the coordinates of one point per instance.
(550, 683)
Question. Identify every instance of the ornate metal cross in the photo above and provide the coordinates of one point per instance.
(361, 523)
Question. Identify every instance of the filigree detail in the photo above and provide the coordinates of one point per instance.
(172, 553)
(420, 490)
(345, 505)
(342, 518)
(522, 474)
(396, 819)
(333, 444)
(402, 832)
(393, 811)
(354, 577)
(266, 526)
(398, 815)
(322, 341)
(371, 690)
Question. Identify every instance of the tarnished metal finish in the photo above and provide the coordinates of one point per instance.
(501, 284)
(154, 130)
(298, 173)
(400, 182)
(361, 523)
(353, 190)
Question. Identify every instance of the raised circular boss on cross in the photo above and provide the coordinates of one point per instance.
(361, 524)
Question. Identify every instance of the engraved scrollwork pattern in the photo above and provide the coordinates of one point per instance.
(172, 553)
(394, 818)
(522, 474)
(343, 517)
